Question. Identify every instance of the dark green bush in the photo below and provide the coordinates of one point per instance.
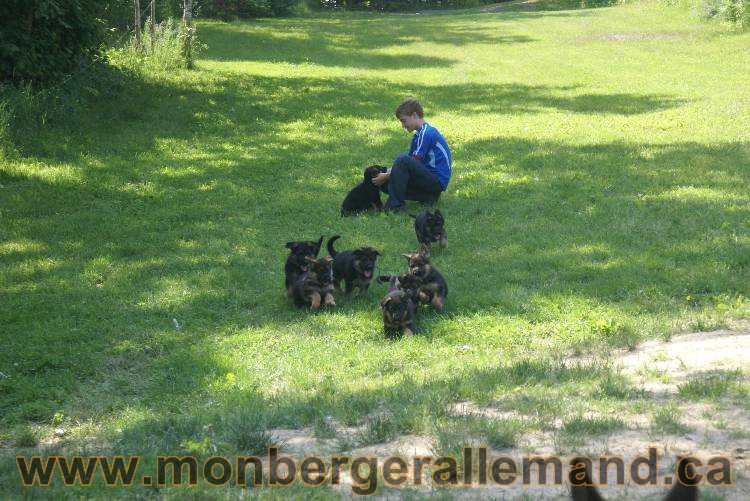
(42, 40)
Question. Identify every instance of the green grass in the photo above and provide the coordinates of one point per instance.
(713, 385)
(599, 198)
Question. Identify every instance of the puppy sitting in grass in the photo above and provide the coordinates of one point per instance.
(316, 285)
(297, 263)
(430, 228)
(433, 288)
(354, 267)
(398, 311)
(365, 196)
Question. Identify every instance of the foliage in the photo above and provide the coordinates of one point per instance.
(736, 12)
(167, 53)
(118, 14)
(231, 9)
(42, 40)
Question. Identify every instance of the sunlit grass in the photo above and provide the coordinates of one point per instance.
(599, 199)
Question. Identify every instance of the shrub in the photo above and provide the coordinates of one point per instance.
(736, 12)
(43, 40)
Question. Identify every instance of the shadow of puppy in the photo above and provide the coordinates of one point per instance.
(398, 311)
(354, 267)
(365, 196)
(433, 288)
(315, 287)
(584, 489)
(296, 262)
(430, 228)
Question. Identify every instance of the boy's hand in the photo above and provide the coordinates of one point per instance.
(381, 178)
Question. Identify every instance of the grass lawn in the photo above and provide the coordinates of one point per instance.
(599, 199)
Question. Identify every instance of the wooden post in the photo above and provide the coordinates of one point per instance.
(187, 21)
(137, 4)
(153, 24)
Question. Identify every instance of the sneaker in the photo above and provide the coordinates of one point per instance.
(396, 209)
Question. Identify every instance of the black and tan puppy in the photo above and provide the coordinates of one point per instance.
(408, 283)
(365, 196)
(296, 261)
(354, 267)
(583, 489)
(433, 288)
(315, 287)
(398, 311)
(430, 228)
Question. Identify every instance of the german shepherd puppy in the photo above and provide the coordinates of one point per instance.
(409, 284)
(354, 267)
(430, 228)
(433, 287)
(316, 285)
(365, 195)
(296, 261)
(585, 491)
(398, 311)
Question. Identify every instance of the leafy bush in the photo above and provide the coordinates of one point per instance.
(736, 12)
(42, 40)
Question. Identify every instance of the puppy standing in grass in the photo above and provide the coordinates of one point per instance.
(316, 285)
(297, 263)
(430, 228)
(354, 267)
(433, 288)
(398, 311)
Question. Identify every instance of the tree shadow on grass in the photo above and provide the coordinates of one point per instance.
(176, 205)
(355, 45)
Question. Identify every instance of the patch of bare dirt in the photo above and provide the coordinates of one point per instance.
(636, 36)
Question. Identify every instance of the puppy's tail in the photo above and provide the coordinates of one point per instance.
(331, 250)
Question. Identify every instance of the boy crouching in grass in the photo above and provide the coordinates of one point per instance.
(422, 174)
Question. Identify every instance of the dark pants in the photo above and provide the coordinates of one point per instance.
(410, 180)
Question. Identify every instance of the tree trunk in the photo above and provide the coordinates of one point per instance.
(153, 24)
(137, 4)
(187, 20)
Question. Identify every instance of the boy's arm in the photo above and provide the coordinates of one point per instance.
(424, 144)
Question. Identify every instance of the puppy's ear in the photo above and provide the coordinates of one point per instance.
(292, 245)
(320, 242)
(410, 255)
(309, 259)
(385, 301)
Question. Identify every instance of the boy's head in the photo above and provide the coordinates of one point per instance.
(410, 114)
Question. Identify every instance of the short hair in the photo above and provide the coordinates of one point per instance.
(408, 106)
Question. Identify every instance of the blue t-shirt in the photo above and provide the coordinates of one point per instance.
(430, 147)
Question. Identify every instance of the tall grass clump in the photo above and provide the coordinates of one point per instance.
(6, 116)
(165, 52)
